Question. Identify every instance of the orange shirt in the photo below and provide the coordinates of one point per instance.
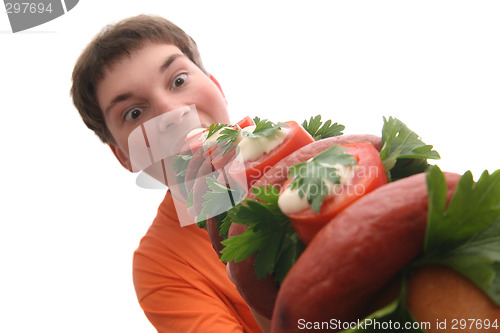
(181, 284)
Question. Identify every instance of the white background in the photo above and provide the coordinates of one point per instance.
(71, 217)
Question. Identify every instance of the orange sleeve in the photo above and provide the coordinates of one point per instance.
(180, 305)
(181, 284)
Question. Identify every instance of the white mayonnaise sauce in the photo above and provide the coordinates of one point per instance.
(251, 149)
(196, 131)
(290, 202)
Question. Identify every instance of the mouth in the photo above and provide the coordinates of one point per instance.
(180, 146)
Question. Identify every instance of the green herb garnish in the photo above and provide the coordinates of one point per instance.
(224, 226)
(219, 199)
(265, 127)
(466, 235)
(227, 138)
(406, 167)
(310, 176)
(401, 143)
(319, 130)
(214, 128)
(270, 235)
(395, 315)
(180, 163)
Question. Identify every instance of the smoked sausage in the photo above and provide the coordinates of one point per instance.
(261, 294)
(355, 255)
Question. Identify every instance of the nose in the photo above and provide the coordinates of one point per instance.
(167, 132)
(170, 121)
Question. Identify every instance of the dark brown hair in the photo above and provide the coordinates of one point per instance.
(112, 44)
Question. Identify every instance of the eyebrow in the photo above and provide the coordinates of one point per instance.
(117, 99)
(122, 97)
(169, 61)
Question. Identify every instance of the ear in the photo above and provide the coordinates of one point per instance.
(121, 157)
(217, 84)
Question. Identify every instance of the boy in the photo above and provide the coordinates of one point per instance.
(136, 70)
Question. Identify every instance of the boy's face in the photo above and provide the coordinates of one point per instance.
(152, 81)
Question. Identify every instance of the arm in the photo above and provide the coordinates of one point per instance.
(181, 308)
(178, 297)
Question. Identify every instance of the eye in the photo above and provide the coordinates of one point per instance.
(178, 81)
(133, 114)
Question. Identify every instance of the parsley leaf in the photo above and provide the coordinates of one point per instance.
(180, 163)
(310, 176)
(473, 207)
(265, 127)
(399, 142)
(319, 132)
(224, 226)
(270, 235)
(214, 128)
(190, 198)
(395, 315)
(219, 199)
(466, 235)
(406, 167)
(291, 248)
(227, 138)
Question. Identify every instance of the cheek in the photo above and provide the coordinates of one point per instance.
(213, 104)
(120, 138)
(136, 139)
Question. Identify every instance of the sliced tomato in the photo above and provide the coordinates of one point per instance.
(246, 173)
(369, 174)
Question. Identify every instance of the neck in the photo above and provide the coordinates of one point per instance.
(182, 213)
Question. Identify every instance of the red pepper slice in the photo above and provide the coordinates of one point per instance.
(196, 141)
(220, 159)
(369, 174)
(245, 174)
